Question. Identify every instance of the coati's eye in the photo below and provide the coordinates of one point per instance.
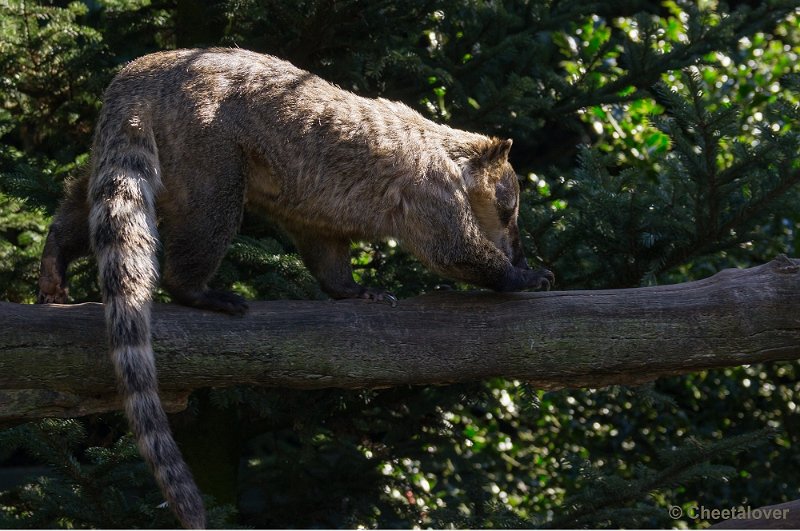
(505, 217)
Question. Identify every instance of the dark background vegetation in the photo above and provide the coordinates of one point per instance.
(657, 142)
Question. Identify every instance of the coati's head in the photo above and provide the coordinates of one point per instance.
(493, 190)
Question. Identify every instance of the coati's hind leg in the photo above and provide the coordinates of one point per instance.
(196, 236)
(67, 240)
(193, 253)
(329, 261)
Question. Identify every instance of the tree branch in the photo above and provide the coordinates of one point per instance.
(53, 359)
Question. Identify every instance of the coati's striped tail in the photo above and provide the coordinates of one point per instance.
(122, 189)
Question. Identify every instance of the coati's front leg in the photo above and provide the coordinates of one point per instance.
(67, 240)
(488, 267)
(328, 259)
(452, 244)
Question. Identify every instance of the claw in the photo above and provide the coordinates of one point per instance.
(213, 300)
(541, 279)
(548, 280)
(391, 299)
(57, 297)
(377, 295)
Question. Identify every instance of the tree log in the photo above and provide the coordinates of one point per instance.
(53, 359)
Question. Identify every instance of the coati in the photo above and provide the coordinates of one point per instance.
(186, 138)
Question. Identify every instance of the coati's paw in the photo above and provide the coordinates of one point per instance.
(51, 292)
(378, 295)
(52, 298)
(216, 301)
(226, 302)
(541, 279)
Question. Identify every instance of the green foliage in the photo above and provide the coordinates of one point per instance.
(21, 240)
(602, 496)
(658, 143)
(83, 485)
(713, 188)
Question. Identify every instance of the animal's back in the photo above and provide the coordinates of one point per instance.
(307, 145)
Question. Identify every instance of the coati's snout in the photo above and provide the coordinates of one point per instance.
(495, 202)
(517, 255)
(507, 238)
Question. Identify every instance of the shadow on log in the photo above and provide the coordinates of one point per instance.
(53, 358)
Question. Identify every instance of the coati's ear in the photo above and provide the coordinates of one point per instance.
(485, 163)
(495, 152)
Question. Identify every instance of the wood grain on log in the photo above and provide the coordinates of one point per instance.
(53, 359)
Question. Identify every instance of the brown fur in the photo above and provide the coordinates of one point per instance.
(188, 137)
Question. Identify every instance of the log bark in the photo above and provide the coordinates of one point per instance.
(53, 358)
